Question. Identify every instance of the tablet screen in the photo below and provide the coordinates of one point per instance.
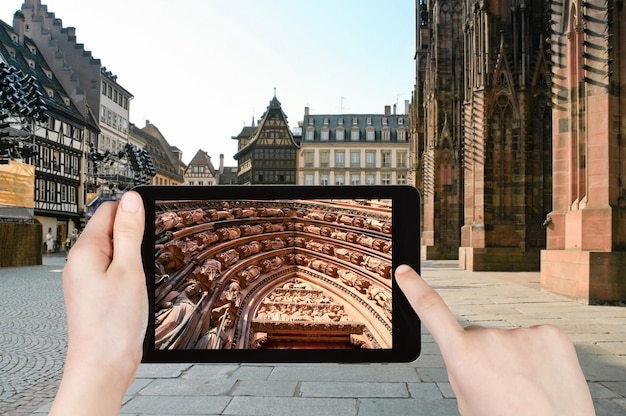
(307, 272)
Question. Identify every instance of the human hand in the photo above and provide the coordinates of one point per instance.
(522, 371)
(107, 310)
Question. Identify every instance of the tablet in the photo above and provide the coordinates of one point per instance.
(279, 273)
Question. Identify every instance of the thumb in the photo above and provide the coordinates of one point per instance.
(128, 228)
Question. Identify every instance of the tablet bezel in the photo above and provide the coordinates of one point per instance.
(406, 250)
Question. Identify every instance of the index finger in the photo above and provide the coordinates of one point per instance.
(429, 306)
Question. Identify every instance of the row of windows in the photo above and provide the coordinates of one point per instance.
(275, 154)
(111, 118)
(57, 162)
(355, 134)
(355, 121)
(50, 191)
(274, 176)
(355, 179)
(386, 160)
(115, 95)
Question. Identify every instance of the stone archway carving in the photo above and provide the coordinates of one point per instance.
(244, 253)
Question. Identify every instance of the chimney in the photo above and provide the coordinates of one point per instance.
(394, 109)
(147, 122)
(387, 110)
(406, 107)
(306, 110)
(221, 163)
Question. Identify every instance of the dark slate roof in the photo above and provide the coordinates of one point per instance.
(393, 122)
(228, 176)
(55, 104)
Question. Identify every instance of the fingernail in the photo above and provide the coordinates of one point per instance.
(130, 202)
(403, 269)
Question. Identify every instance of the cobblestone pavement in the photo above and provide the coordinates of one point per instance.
(32, 335)
(33, 348)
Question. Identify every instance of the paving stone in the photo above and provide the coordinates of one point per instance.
(265, 388)
(281, 406)
(367, 372)
(187, 387)
(413, 407)
(171, 405)
(425, 391)
(161, 370)
(354, 390)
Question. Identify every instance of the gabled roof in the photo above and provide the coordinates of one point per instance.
(274, 112)
(202, 158)
(164, 160)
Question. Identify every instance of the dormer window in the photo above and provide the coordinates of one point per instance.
(369, 121)
(384, 121)
(14, 37)
(66, 100)
(326, 121)
(50, 92)
(48, 73)
(31, 63)
(355, 121)
(11, 52)
(400, 121)
(311, 122)
(340, 121)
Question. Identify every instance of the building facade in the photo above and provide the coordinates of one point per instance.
(58, 137)
(523, 99)
(167, 159)
(354, 149)
(94, 90)
(267, 153)
(585, 255)
(201, 172)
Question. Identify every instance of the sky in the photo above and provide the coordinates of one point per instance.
(199, 70)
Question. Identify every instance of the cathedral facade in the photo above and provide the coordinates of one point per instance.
(516, 127)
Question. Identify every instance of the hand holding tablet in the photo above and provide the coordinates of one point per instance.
(492, 371)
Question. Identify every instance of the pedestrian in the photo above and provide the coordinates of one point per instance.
(49, 241)
(73, 237)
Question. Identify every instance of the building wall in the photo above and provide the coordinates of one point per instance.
(586, 247)
(354, 149)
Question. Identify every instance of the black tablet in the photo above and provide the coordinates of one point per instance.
(279, 273)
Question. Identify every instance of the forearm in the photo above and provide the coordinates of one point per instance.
(94, 389)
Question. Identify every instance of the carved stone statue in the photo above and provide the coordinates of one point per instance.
(248, 275)
(168, 320)
(228, 258)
